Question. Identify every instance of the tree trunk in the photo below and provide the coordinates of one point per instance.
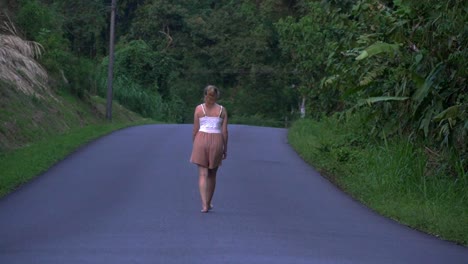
(303, 111)
(111, 63)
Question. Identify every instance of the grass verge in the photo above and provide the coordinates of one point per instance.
(36, 132)
(393, 177)
(21, 165)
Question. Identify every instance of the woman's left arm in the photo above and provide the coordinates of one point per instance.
(196, 123)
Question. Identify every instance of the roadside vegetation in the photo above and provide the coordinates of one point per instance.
(397, 177)
(21, 165)
(41, 124)
(36, 132)
(388, 106)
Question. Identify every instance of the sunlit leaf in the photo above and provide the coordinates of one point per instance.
(373, 100)
(377, 48)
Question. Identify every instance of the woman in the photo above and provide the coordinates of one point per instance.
(210, 137)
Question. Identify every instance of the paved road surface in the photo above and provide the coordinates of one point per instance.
(132, 197)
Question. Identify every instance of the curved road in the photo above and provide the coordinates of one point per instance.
(132, 197)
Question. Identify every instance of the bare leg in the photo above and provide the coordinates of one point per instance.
(211, 184)
(203, 185)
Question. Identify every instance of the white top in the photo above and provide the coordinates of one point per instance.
(211, 124)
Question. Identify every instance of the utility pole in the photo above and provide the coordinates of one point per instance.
(111, 63)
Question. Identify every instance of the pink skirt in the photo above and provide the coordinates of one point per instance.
(208, 150)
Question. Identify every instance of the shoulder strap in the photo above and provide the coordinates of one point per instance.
(221, 111)
(203, 107)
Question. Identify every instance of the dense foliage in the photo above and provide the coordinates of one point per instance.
(405, 60)
(402, 62)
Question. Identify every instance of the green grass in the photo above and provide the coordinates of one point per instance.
(21, 165)
(394, 177)
(35, 133)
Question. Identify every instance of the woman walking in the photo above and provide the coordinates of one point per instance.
(210, 138)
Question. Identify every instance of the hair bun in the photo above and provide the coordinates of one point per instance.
(212, 91)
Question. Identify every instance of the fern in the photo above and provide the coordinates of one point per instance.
(372, 75)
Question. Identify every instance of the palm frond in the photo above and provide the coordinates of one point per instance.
(18, 64)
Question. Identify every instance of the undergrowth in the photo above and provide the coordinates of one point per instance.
(36, 132)
(21, 165)
(396, 177)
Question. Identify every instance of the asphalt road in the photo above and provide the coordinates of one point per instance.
(132, 197)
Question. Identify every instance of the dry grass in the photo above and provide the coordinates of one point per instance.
(18, 64)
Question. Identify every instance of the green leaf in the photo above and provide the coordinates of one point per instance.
(424, 89)
(425, 122)
(372, 75)
(377, 48)
(330, 80)
(364, 54)
(371, 100)
(451, 112)
(418, 58)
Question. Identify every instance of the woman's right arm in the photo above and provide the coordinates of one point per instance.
(225, 133)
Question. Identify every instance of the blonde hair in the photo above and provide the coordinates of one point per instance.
(211, 91)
